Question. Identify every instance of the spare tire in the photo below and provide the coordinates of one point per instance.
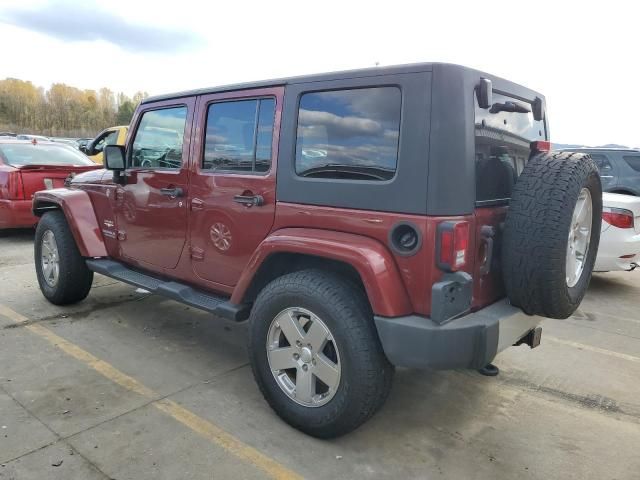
(551, 233)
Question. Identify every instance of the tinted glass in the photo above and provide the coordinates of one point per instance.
(239, 135)
(633, 161)
(40, 154)
(159, 139)
(349, 134)
(602, 162)
(502, 141)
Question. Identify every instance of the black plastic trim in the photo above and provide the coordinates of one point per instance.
(419, 342)
(400, 251)
(174, 290)
(451, 296)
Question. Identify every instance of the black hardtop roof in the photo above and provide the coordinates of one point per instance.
(322, 77)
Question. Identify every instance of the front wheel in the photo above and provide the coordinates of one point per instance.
(315, 353)
(62, 273)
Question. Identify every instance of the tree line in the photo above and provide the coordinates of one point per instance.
(62, 110)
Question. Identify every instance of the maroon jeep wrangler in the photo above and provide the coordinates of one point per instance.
(406, 216)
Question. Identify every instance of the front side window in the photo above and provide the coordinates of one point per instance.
(633, 161)
(503, 134)
(108, 138)
(239, 135)
(349, 134)
(159, 139)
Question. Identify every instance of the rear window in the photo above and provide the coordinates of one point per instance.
(502, 141)
(633, 161)
(40, 154)
(349, 134)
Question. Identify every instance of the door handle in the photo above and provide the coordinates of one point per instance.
(172, 192)
(249, 200)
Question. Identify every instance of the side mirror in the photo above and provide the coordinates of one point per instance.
(83, 148)
(484, 92)
(114, 157)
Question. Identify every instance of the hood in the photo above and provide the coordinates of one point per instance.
(94, 176)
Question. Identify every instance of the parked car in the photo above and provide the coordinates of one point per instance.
(39, 138)
(67, 141)
(407, 199)
(620, 235)
(7, 134)
(619, 168)
(110, 136)
(25, 168)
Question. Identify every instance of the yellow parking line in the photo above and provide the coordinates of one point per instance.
(591, 348)
(206, 429)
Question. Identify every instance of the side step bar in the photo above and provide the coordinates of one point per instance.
(174, 290)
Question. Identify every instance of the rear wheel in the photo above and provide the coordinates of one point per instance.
(551, 234)
(316, 355)
(62, 273)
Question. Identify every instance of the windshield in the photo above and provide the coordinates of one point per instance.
(17, 154)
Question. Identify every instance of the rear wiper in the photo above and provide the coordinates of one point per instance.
(509, 107)
(371, 172)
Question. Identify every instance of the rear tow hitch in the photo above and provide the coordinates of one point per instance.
(532, 338)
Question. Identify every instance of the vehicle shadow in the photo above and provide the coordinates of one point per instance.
(615, 283)
(18, 234)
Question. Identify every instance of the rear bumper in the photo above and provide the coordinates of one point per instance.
(471, 341)
(16, 214)
(614, 243)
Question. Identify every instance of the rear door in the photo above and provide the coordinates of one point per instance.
(232, 194)
(608, 174)
(151, 207)
(502, 148)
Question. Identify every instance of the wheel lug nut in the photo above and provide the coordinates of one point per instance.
(304, 367)
(296, 356)
(298, 343)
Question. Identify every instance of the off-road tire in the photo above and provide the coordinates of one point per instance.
(366, 374)
(74, 279)
(536, 233)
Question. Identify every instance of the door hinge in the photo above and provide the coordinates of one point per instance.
(122, 235)
(196, 253)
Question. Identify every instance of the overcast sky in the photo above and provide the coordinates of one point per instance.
(582, 55)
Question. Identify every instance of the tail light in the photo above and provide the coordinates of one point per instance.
(540, 146)
(15, 187)
(452, 245)
(618, 217)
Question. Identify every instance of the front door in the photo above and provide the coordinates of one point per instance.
(151, 207)
(232, 194)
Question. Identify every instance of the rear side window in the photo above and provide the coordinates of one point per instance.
(633, 161)
(159, 139)
(349, 134)
(602, 162)
(503, 134)
(239, 136)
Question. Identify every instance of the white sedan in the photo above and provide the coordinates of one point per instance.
(620, 234)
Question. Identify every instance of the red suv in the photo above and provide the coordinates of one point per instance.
(404, 216)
